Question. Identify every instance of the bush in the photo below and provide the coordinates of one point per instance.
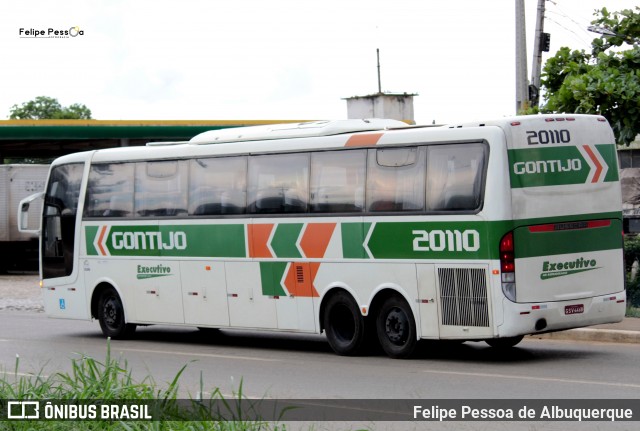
(632, 254)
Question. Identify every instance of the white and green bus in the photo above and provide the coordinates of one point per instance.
(370, 231)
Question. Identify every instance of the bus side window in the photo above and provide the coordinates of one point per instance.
(454, 177)
(337, 181)
(110, 190)
(161, 188)
(278, 184)
(396, 179)
(217, 186)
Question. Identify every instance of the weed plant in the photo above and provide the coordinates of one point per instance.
(112, 381)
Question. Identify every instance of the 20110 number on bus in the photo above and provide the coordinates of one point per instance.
(535, 137)
(449, 240)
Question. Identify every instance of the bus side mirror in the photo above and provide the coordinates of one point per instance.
(23, 213)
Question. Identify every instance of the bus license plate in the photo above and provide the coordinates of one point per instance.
(574, 309)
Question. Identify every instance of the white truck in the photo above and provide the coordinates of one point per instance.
(19, 250)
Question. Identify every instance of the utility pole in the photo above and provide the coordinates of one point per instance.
(522, 85)
(540, 45)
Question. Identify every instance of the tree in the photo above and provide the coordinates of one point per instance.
(48, 108)
(605, 81)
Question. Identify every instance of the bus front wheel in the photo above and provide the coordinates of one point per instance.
(344, 325)
(111, 316)
(396, 328)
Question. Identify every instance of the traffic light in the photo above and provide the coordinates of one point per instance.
(545, 42)
(534, 95)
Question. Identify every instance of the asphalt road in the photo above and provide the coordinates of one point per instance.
(297, 366)
(293, 366)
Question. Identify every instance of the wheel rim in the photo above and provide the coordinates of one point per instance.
(110, 312)
(397, 326)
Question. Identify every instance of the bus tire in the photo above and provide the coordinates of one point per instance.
(396, 328)
(505, 342)
(344, 325)
(111, 316)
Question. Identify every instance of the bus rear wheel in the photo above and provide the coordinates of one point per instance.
(396, 328)
(111, 316)
(344, 325)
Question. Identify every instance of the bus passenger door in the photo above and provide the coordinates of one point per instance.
(204, 293)
(63, 290)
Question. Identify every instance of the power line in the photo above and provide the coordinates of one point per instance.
(577, 36)
(581, 26)
(564, 14)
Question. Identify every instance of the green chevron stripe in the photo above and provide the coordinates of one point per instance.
(271, 274)
(284, 240)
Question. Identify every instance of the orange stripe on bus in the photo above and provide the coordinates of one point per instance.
(298, 281)
(363, 140)
(596, 162)
(258, 239)
(101, 239)
(315, 239)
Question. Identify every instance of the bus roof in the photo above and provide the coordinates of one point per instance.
(295, 130)
(321, 135)
(310, 136)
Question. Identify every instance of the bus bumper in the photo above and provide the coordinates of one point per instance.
(537, 318)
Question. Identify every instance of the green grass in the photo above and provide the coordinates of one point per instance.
(633, 311)
(112, 380)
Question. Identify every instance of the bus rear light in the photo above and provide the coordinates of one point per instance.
(509, 290)
(508, 277)
(508, 266)
(554, 227)
(507, 258)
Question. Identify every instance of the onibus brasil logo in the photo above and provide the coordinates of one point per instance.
(560, 269)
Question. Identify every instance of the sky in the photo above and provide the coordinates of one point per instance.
(275, 59)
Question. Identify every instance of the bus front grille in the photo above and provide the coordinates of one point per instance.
(463, 297)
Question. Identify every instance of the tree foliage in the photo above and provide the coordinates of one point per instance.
(48, 108)
(605, 81)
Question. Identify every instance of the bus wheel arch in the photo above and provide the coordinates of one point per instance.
(345, 327)
(107, 307)
(395, 323)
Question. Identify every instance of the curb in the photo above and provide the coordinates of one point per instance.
(585, 334)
